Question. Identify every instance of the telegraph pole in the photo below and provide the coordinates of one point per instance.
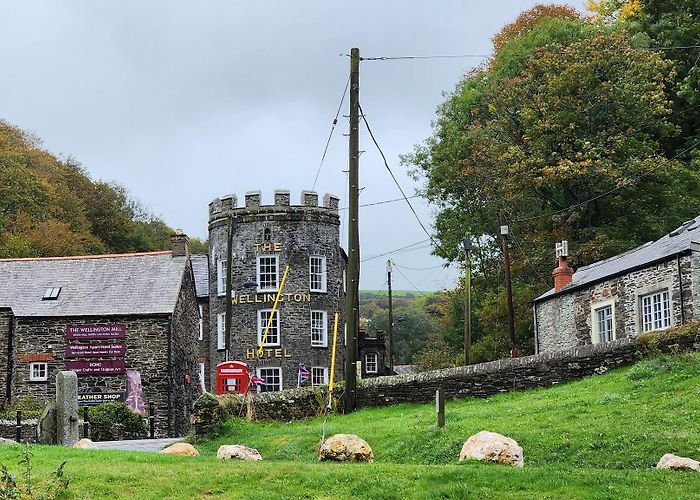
(353, 234)
(391, 320)
(467, 246)
(511, 316)
(229, 312)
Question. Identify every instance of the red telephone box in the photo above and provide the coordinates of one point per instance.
(232, 377)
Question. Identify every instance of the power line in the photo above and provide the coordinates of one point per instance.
(413, 246)
(335, 122)
(381, 202)
(421, 268)
(386, 164)
(410, 282)
(606, 193)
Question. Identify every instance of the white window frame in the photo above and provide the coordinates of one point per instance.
(221, 277)
(650, 318)
(261, 328)
(323, 274)
(202, 376)
(324, 375)
(221, 331)
(201, 321)
(51, 293)
(258, 273)
(595, 324)
(40, 366)
(376, 362)
(260, 374)
(323, 342)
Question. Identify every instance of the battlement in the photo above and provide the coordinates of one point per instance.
(253, 202)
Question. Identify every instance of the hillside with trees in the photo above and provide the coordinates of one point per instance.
(582, 128)
(49, 206)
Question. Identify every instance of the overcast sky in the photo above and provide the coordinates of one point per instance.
(183, 101)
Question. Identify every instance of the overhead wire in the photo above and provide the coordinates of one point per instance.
(412, 246)
(330, 135)
(410, 282)
(380, 202)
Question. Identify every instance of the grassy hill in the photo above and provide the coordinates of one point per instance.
(595, 438)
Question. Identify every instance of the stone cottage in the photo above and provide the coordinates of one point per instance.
(649, 288)
(106, 317)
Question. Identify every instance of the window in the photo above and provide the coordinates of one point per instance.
(317, 273)
(319, 375)
(267, 235)
(656, 311)
(202, 382)
(604, 330)
(268, 274)
(273, 335)
(201, 322)
(221, 277)
(272, 377)
(38, 372)
(221, 331)
(51, 293)
(371, 362)
(319, 329)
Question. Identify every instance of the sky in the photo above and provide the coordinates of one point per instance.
(182, 102)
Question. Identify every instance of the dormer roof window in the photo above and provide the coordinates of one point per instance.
(51, 293)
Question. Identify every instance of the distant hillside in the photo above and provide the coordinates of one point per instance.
(50, 206)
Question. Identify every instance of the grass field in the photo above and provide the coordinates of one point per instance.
(596, 438)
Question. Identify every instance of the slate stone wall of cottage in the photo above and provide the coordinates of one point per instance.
(566, 319)
(203, 345)
(293, 233)
(6, 319)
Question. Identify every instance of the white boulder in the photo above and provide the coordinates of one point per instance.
(674, 462)
(346, 448)
(237, 451)
(492, 447)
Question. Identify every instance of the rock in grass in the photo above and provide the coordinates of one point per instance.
(237, 451)
(492, 447)
(346, 448)
(7, 441)
(85, 444)
(181, 449)
(674, 462)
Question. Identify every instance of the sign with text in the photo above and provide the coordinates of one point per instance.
(99, 398)
(96, 350)
(97, 367)
(96, 332)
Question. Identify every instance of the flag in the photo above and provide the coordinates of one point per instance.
(303, 374)
(255, 380)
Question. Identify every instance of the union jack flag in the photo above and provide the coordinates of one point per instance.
(304, 374)
(255, 380)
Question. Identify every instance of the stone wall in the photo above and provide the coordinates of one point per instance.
(6, 320)
(294, 233)
(203, 346)
(566, 319)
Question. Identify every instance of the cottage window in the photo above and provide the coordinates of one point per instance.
(272, 377)
(319, 375)
(317, 273)
(268, 273)
(51, 293)
(221, 277)
(221, 331)
(201, 322)
(38, 372)
(319, 329)
(656, 311)
(371, 362)
(604, 324)
(273, 334)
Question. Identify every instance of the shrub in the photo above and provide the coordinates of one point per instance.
(31, 408)
(48, 489)
(115, 421)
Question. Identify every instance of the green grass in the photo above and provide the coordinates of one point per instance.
(596, 438)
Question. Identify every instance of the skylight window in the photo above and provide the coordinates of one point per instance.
(51, 293)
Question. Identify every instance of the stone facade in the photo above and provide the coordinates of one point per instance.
(372, 345)
(291, 234)
(566, 319)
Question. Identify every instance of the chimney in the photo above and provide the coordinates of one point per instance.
(180, 244)
(563, 275)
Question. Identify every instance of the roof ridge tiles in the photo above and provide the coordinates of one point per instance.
(87, 257)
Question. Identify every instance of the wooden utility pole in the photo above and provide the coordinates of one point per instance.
(466, 245)
(509, 291)
(229, 312)
(353, 234)
(391, 319)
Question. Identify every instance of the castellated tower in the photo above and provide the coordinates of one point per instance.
(267, 239)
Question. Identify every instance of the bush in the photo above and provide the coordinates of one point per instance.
(30, 407)
(116, 421)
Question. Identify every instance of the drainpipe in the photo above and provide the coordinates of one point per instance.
(680, 286)
(170, 375)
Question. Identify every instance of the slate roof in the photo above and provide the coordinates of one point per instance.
(96, 285)
(200, 266)
(678, 241)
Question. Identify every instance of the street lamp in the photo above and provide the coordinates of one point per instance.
(467, 246)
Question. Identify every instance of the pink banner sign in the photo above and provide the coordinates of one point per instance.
(96, 332)
(96, 350)
(97, 367)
